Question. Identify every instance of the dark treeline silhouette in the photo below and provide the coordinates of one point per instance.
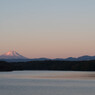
(48, 65)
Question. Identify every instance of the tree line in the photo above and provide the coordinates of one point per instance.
(48, 65)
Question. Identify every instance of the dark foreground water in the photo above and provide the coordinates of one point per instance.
(47, 83)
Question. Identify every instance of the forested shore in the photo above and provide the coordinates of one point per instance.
(48, 65)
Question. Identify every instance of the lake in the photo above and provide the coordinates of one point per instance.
(47, 83)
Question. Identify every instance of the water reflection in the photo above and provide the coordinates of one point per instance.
(47, 83)
(48, 75)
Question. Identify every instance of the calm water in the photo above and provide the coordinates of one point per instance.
(47, 83)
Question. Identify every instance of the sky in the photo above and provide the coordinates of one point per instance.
(48, 28)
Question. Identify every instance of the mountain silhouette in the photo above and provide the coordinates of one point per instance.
(81, 58)
(13, 56)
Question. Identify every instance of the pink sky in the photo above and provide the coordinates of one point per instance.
(53, 29)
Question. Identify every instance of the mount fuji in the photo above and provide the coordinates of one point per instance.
(12, 55)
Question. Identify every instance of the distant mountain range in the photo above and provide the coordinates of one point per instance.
(13, 56)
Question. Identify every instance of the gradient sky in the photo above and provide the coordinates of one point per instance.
(48, 28)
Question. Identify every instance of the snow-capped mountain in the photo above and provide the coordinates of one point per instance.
(12, 55)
